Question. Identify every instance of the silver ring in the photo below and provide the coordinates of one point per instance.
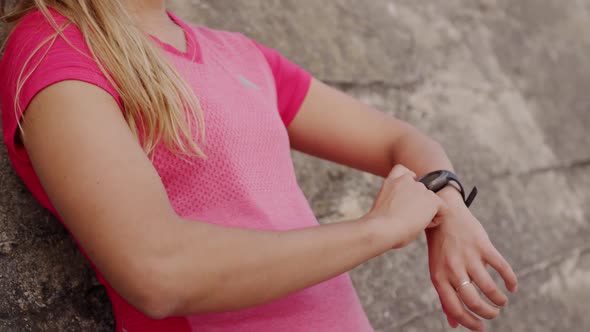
(463, 284)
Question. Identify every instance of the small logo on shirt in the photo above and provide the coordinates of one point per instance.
(248, 83)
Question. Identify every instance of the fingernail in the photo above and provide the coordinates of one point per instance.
(449, 321)
(452, 323)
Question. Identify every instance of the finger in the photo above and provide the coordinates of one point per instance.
(441, 206)
(471, 298)
(498, 262)
(433, 224)
(436, 221)
(486, 284)
(433, 204)
(452, 323)
(400, 170)
(455, 308)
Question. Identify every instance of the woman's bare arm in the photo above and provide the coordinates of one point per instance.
(111, 198)
(337, 127)
(334, 126)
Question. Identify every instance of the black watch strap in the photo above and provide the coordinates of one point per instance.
(438, 180)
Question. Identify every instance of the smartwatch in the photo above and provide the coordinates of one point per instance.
(438, 180)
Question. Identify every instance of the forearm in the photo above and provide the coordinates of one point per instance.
(220, 269)
(418, 152)
(422, 154)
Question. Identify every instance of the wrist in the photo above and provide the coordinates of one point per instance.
(379, 233)
(451, 195)
(439, 180)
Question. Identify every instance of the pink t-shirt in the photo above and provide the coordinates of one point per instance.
(249, 94)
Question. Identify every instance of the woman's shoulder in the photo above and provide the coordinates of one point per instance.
(45, 43)
(39, 38)
(37, 20)
(42, 50)
(36, 29)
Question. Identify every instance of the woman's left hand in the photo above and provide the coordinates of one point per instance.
(459, 251)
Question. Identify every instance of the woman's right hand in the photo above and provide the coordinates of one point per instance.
(405, 207)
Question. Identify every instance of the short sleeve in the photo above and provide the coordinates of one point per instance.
(292, 83)
(33, 60)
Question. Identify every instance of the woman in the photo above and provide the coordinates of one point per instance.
(164, 148)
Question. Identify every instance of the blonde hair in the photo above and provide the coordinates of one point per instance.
(158, 105)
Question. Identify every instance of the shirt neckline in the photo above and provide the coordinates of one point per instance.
(193, 49)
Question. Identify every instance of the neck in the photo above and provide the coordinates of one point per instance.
(148, 13)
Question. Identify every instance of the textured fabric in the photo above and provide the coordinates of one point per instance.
(290, 83)
(248, 93)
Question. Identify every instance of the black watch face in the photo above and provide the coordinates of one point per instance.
(434, 181)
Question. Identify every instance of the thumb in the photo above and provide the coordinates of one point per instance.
(434, 223)
(442, 211)
(400, 170)
(443, 208)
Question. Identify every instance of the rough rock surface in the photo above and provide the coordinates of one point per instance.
(502, 84)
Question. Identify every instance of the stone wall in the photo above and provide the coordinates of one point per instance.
(502, 84)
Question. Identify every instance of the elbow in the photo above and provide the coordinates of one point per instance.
(160, 283)
(163, 294)
(158, 305)
(155, 309)
(148, 285)
(155, 298)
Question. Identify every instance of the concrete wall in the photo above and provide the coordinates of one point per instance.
(502, 84)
